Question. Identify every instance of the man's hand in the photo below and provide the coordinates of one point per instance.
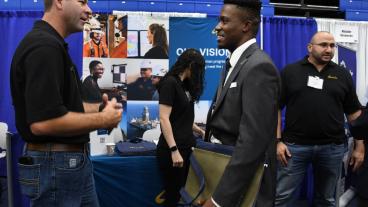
(283, 153)
(105, 99)
(357, 157)
(111, 114)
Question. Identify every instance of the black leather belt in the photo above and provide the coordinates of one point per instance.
(56, 147)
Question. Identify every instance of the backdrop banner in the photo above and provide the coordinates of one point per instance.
(347, 59)
(198, 33)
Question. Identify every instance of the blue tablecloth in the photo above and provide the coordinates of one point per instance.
(126, 181)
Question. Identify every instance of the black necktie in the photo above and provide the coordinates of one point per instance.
(227, 68)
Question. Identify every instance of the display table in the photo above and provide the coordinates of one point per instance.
(126, 181)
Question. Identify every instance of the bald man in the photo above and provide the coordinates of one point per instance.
(316, 93)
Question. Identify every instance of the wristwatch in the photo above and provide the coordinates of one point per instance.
(173, 148)
(278, 140)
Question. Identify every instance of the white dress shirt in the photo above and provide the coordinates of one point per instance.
(235, 56)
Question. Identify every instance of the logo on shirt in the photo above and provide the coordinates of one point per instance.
(332, 77)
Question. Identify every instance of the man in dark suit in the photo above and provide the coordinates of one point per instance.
(244, 110)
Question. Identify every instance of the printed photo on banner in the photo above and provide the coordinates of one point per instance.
(143, 120)
(148, 37)
(118, 42)
(143, 76)
(109, 76)
(95, 37)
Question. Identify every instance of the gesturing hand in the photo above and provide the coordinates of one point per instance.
(112, 114)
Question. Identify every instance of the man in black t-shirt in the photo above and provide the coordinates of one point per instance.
(317, 93)
(91, 90)
(55, 169)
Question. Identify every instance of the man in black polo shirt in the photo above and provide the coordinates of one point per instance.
(50, 115)
(317, 93)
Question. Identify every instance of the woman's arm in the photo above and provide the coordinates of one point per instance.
(165, 111)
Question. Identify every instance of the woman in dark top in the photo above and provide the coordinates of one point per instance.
(178, 90)
(156, 36)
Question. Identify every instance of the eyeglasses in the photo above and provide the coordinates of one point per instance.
(326, 45)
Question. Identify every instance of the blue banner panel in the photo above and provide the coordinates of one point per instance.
(347, 59)
(198, 33)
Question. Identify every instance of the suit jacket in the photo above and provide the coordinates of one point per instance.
(245, 116)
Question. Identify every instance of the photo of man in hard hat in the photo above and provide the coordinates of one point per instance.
(157, 73)
(96, 45)
(142, 88)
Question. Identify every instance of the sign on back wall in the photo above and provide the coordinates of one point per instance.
(198, 33)
(126, 43)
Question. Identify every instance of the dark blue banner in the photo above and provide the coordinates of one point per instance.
(198, 33)
(347, 59)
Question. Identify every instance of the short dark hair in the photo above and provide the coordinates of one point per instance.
(93, 64)
(252, 10)
(47, 4)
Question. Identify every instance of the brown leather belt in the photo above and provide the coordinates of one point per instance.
(56, 147)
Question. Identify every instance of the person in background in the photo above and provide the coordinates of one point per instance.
(316, 93)
(52, 119)
(178, 90)
(91, 90)
(157, 37)
(157, 73)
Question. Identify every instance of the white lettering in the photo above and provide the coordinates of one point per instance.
(209, 52)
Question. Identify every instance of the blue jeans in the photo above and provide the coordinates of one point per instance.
(58, 179)
(326, 161)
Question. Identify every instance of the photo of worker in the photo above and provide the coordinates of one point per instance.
(140, 85)
(95, 36)
(118, 38)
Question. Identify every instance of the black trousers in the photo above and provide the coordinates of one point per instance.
(173, 177)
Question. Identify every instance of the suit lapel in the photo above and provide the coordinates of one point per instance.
(239, 65)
